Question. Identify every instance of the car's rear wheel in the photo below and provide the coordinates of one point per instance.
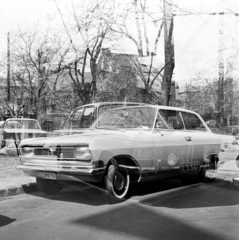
(202, 174)
(49, 186)
(237, 161)
(117, 182)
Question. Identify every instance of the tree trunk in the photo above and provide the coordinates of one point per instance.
(140, 46)
(221, 71)
(40, 98)
(41, 110)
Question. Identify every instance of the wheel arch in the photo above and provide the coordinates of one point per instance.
(211, 157)
(127, 163)
(211, 160)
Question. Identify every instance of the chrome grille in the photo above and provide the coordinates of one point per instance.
(63, 153)
(68, 152)
(41, 151)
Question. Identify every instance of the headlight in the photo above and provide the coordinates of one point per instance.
(82, 153)
(27, 151)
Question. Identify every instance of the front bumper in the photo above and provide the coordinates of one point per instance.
(86, 174)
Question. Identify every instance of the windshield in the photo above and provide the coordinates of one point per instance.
(22, 124)
(137, 117)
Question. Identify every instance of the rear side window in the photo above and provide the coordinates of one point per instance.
(192, 122)
(75, 119)
(87, 117)
(81, 118)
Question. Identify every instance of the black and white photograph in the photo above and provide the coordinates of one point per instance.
(119, 119)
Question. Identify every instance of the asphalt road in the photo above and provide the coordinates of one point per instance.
(157, 210)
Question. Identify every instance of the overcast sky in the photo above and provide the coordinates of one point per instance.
(14, 13)
(197, 39)
(195, 36)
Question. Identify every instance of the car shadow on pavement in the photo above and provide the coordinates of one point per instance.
(83, 193)
(218, 193)
(95, 195)
(145, 188)
(137, 221)
(168, 193)
(169, 210)
(5, 220)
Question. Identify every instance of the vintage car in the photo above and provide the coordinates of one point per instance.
(16, 129)
(131, 144)
(81, 118)
(211, 123)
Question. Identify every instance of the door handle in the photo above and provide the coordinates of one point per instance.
(188, 138)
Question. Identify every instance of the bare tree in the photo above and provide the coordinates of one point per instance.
(87, 31)
(38, 60)
(118, 78)
(145, 40)
(144, 20)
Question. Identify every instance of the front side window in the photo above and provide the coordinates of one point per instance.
(193, 122)
(172, 118)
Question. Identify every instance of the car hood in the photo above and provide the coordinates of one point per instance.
(84, 138)
(67, 140)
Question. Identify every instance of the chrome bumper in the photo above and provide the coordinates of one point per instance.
(87, 174)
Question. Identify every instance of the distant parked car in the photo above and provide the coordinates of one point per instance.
(233, 129)
(16, 129)
(125, 145)
(211, 123)
(81, 118)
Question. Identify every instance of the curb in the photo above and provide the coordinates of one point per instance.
(236, 181)
(17, 190)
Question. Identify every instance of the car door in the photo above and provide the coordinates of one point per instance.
(203, 141)
(171, 144)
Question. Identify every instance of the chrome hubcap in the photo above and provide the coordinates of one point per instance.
(119, 181)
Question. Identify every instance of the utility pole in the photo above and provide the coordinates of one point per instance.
(221, 70)
(168, 51)
(8, 67)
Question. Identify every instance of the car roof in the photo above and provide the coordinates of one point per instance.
(109, 103)
(159, 107)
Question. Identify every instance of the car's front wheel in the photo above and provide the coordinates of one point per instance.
(117, 182)
(49, 186)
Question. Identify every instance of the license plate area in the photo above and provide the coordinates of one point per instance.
(48, 175)
(189, 167)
